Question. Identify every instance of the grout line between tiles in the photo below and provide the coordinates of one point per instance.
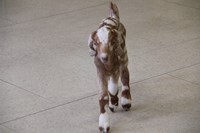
(58, 14)
(164, 73)
(25, 90)
(183, 79)
(91, 96)
(181, 4)
(171, 45)
(49, 108)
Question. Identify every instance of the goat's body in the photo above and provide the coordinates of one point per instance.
(111, 61)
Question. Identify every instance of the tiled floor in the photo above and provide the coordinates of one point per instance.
(48, 81)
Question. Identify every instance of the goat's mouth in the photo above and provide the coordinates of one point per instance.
(104, 58)
(106, 62)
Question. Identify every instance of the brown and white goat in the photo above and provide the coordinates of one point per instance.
(107, 45)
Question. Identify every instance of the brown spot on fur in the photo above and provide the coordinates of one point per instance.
(114, 99)
(126, 94)
(125, 76)
(103, 102)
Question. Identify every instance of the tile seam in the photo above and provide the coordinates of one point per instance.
(53, 15)
(168, 46)
(53, 107)
(183, 79)
(83, 98)
(21, 88)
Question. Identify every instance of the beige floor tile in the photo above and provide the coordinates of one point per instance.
(26, 10)
(161, 104)
(79, 117)
(16, 102)
(186, 3)
(191, 74)
(4, 22)
(158, 24)
(164, 60)
(170, 34)
(41, 59)
(174, 12)
(6, 130)
(52, 81)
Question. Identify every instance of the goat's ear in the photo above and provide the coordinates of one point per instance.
(91, 44)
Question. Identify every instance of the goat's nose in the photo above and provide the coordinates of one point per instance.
(104, 57)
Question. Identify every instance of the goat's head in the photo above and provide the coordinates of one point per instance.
(105, 44)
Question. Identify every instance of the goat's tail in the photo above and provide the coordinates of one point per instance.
(114, 12)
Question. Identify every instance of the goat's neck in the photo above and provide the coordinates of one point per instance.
(112, 64)
(106, 67)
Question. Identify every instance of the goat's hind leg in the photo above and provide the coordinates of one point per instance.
(113, 91)
(125, 94)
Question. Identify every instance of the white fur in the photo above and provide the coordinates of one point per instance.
(105, 98)
(103, 35)
(125, 88)
(104, 120)
(125, 101)
(112, 87)
(103, 55)
(107, 21)
(90, 39)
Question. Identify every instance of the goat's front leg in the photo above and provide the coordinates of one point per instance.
(113, 91)
(104, 125)
(125, 95)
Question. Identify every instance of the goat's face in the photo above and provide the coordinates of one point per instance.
(103, 44)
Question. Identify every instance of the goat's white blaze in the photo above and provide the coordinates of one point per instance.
(102, 34)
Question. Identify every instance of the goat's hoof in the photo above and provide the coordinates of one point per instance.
(102, 130)
(126, 107)
(126, 103)
(112, 109)
(104, 125)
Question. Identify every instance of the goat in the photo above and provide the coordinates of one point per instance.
(107, 46)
